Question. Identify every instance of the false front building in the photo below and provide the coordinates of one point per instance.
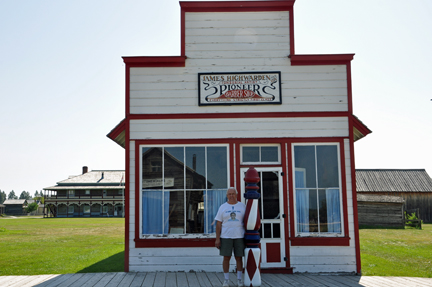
(239, 96)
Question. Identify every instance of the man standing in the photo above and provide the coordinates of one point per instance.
(230, 233)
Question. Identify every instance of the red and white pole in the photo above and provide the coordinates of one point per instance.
(252, 223)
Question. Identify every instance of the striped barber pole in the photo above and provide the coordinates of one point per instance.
(252, 223)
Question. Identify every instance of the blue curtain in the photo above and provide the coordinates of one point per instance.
(212, 201)
(155, 216)
(302, 201)
(333, 210)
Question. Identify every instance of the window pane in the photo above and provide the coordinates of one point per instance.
(270, 195)
(304, 157)
(174, 168)
(217, 167)
(313, 211)
(276, 230)
(322, 210)
(269, 154)
(195, 171)
(194, 212)
(151, 168)
(251, 154)
(334, 223)
(176, 211)
(267, 230)
(327, 166)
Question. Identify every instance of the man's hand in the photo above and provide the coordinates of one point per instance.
(217, 243)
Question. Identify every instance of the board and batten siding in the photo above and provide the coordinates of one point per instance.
(330, 258)
(239, 128)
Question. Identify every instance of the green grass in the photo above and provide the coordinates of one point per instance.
(397, 252)
(31, 246)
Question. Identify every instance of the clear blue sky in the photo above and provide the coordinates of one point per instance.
(62, 78)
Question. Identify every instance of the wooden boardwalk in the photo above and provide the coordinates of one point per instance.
(180, 279)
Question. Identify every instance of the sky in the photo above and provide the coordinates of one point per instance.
(62, 78)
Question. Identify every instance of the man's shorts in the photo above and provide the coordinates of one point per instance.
(228, 244)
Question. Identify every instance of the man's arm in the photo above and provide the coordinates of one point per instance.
(218, 233)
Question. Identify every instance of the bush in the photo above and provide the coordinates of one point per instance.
(32, 207)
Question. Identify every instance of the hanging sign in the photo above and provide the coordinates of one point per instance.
(239, 88)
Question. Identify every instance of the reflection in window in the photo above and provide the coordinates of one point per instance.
(317, 190)
(260, 154)
(184, 194)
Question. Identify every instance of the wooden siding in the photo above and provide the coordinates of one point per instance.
(385, 214)
(239, 128)
(175, 90)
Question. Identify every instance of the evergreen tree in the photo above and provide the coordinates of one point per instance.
(25, 195)
(2, 196)
(12, 195)
(36, 194)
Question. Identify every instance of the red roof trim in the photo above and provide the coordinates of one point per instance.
(325, 59)
(162, 61)
(115, 132)
(361, 127)
(236, 6)
(237, 115)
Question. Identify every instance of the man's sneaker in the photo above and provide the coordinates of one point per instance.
(240, 283)
(226, 283)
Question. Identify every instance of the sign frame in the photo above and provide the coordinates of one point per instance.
(256, 88)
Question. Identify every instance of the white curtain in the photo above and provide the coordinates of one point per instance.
(155, 216)
(213, 200)
(302, 201)
(333, 210)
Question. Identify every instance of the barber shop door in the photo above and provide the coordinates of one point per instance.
(272, 216)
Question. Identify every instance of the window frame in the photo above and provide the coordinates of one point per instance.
(340, 187)
(184, 189)
(260, 153)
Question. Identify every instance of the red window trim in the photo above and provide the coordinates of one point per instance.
(320, 241)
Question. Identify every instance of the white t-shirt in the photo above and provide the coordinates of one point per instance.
(231, 216)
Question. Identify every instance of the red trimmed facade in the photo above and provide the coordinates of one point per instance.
(134, 133)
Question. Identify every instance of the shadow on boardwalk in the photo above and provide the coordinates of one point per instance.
(210, 279)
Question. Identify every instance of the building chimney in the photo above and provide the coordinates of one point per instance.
(85, 169)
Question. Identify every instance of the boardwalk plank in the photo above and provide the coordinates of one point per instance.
(215, 278)
(372, 281)
(330, 281)
(171, 279)
(105, 280)
(33, 280)
(149, 279)
(273, 280)
(192, 280)
(55, 281)
(94, 279)
(290, 279)
(203, 280)
(5, 278)
(346, 280)
(115, 281)
(15, 279)
(181, 279)
(159, 279)
(127, 280)
(81, 281)
(71, 280)
(138, 280)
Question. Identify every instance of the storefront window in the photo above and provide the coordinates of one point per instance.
(317, 189)
(182, 188)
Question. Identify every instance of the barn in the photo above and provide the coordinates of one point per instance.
(237, 96)
(414, 186)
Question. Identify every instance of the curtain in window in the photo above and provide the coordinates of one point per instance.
(333, 210)
(153, 213)
(302, 202)
(213, 200)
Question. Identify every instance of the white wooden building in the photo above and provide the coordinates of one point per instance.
(239, 96)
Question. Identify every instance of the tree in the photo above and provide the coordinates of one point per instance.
(36, 194)
(25, 195)
(12, 195)
(2, 196)
(32, 207)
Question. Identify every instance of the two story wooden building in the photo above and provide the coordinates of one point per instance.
(93, 193)
(238, 96)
